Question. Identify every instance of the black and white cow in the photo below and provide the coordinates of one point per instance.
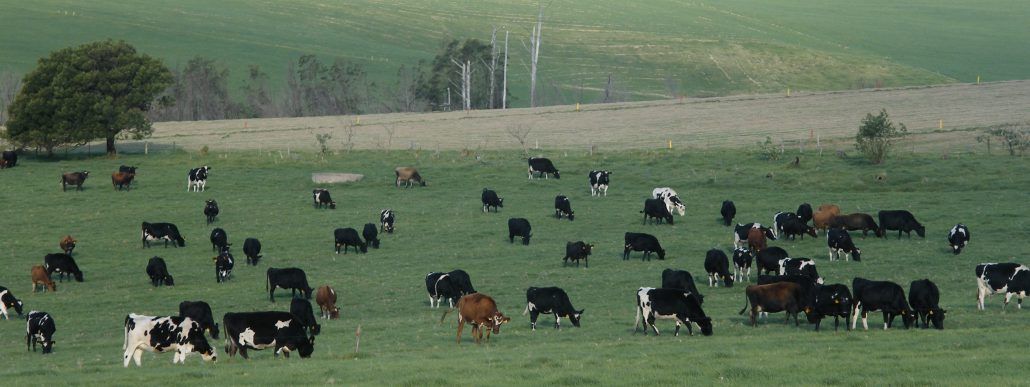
(62, 264)
(346, 237)
(681, 279)
(386, 220)
(305, 315)
(371, 235)
(211, 210)
(675, 304)
(158, 272)
(490, 199)
(1010, 278)
(281, 331)
(164, 334)
(800, 266)
(542, 166)
(552, 300)
(742, 259)
(219, 240)
(224, 264)
(599, 182)
(562, 207)
(577, 251)
(718, 267)
(804, 212)
(289, 278)
(451, 286)
(768, 260)
(196, 179)
(924, 298)
(728, 212)
(642, 242)
(900, 220)
(252, 249)
(40, 329)
(958, 237)
(671, 199)
(840, 241)
(200, 312)
(321, 199)
(519, 227)
(162, 231)
(656, 208)
(828, 300)
(740, 233)
(7, 300)
(885, 296)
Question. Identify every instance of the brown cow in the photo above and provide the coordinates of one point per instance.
(3, 163)
(481, 312)
(122, 180)
(856, 221)
(407, 175)
(326, 299)
(68, 244)
(822, 218)
(756, 239)
(772, 298)
(40, 277)
(73, 178)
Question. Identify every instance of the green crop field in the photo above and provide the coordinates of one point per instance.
(652, 49)
(441, 227)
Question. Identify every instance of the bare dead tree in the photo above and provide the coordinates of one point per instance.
(608, 89)
(504, 88)
(348, 137)
(493, 66)
(520, 133)
(466, 83)
(390, 130)
(534, 55)
(9, 86)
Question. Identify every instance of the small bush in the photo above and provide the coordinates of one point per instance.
(323, 142)
(876, 136)
(767, 150)
(1016, 138)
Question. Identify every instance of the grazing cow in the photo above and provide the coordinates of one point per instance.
(822, 218)
(681, 279)
(718, 266)
(769, 259)
(1010, 278)
(924, 297)
(900, 220)
(840, 241)
(281, 331)
(642, 242)
(346, 237)
(562, 207)
(73, 178)
(371, 235)
(780, 219)
(196, 179)
(163, 334)
(599, 182)
(41, 278)
(756, 239)
(805, 282)
(62, 264)
(386, 219)
(219, 240)
(551, 300)
(728, 211)
(673, 304)
(224, 264)
(289, 278)
(162, 231)
(480, 311)
(576, 251)
(742, 259)
(407, 175)
(200, 312)
(68, 244)
(671, 199)
(800, 266)
(121, 180)
(542, 166)
(451, 285)
(127, 169)
(490, 199)
(305, 315)
(656, 208)
(252, 249)
(856, 221)
(325, 297)
(885, 296)
(158, 272)
(793, 228)
(958, 237)
(804, 212)
(773, 298)
(740, 232)
(211, 210)
(10, 159)
(519, 227)
(828, 300)
(40, 329)
(322, 199)
(7, 300)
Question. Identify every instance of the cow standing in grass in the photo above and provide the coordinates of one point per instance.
(575, 251)
(252, 249)
(562, 207)
(211, 210)
(73, 178)
(599, 181)
(41, 278)
(322, 199)
(490, 199)
(386, 219)
(958, 237)
(728, 212)
(552, 300)
(407, 176)
(543, 167)
(67, 244)
(196, 179)
(718, 267)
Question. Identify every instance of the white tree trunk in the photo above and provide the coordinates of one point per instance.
(466, 83)
(493, 66)
(504, 84)
(534, 54)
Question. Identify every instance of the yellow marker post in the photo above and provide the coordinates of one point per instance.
(940, 124)
(577, 106)
(978, 79)
(788, 92)
(670, 144)
(357, 121)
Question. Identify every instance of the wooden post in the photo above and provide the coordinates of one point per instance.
(357, 339)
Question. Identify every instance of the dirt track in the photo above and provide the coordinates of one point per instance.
(711, 122)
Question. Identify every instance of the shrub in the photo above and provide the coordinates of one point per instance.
(876, 136)
(767, 150)
(1015, 137)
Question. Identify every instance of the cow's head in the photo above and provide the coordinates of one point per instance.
(199, 342)
(936, 317)
(213, 330)
(84, 174)
(956, 248)
(556, 175)
(857, 254)
(661, 254)
(169, 281)
(78, 276)
(306, 346)
(728, 280)
(574, 317)
(921, 231)
(332, 205)
(908, 318)
(497, 319)
(17, 304)
(706, 325)
(812, 232)
(334, 313)
(587, 249)
(48, 346)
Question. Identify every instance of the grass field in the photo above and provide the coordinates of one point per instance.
(441, 227)
(653, 49)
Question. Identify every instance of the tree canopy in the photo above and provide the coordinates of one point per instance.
(876, 136)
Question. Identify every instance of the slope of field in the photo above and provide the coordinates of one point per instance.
(441, 227)
(652, 49)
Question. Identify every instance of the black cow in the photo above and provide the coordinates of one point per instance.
(7, 300)
(542, 166)
(885, 296)
(305, 315)
(780, 219)
(551, 300)
(386, 219)
(728, 211)
(840, 241)
(828, 300)
(656, 208)
(158, 272)
(40, 329)
(62, 264)
(742, 259)
(924, 299)
(162, 231)
(576, 251)
(800, 266)
(371, 235)
(289, 278)
(259, 330)
(200, 312)
(490, 199)
(224, 264)
(73, 178)
(856, 221)
(675, 304)
(562, 207)
(1010, 278)
(804, 212)
(322, 199)
(519, 227)
(900, 220)
(451, 286)
(740, 233)
(252, 249)
(642, 242)
(793, 228)
(681, 279)
(219, 240)
(599, 182)
(958, 237)
(10, 159)
(346, 237)
(768, 260)
(718, 266)
(211, 210)
(196, 179)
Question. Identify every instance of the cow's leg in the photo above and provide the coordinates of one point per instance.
(243, 353)
(676, 333)
(271, 294)
(818, 322)
(709, 279)
(1008, 297)
(430, 302)
(888, 318)
(533, 314)
(137, 357)
(586, 263)
(461, 326)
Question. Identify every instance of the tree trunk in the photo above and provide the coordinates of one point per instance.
(111, 150)
(504, 87)
(534, 54)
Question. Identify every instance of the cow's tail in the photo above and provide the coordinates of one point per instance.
(526, 310)
(636, 321)
(125, 341)
(747, 302)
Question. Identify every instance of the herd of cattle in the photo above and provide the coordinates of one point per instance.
(784, 284)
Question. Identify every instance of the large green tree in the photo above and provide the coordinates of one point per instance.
(93, 91)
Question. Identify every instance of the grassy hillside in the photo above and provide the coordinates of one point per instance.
(653, 49)
(441, 227)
